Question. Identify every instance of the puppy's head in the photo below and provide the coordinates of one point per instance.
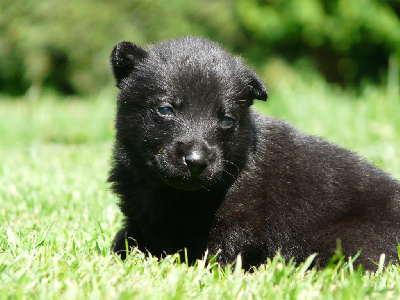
(183, 111)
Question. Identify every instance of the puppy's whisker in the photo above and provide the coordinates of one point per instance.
(231, 163)
(220, 179)
(231, 175)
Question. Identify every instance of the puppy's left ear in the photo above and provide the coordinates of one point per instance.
(256, 87)
(124, 57)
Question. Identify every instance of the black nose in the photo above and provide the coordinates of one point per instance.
(196, 161)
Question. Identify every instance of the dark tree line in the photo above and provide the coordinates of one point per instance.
(64, 44)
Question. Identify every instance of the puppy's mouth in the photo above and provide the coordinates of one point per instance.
(179, 176)
(186, 185)
(185, 181)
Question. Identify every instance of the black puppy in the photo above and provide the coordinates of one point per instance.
(195, 167)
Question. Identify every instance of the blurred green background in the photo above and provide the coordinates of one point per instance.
(63, 45)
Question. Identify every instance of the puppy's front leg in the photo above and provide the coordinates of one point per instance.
(124, 241)
(228, 241)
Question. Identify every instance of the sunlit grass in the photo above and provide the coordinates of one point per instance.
(57, 217)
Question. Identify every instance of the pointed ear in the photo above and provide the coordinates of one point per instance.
(256, 86)
(123, 58)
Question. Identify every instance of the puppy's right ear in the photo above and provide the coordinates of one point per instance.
(124, 57)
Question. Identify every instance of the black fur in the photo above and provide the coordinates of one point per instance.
(195, 167)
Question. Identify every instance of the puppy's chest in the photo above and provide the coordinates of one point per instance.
(171, 227)
(165, 213)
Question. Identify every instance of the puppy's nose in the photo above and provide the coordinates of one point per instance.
(196, 161)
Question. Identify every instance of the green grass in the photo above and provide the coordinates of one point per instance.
(57, 217)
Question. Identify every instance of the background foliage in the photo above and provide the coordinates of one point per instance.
(65, 44)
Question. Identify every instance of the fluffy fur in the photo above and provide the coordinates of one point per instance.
(195, 167)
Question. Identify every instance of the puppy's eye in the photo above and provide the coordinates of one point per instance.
(165, 110)
(227, 122)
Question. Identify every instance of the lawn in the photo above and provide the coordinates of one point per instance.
(57, 217)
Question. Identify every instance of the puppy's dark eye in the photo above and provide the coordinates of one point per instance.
(165, 110)
(227, 122)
